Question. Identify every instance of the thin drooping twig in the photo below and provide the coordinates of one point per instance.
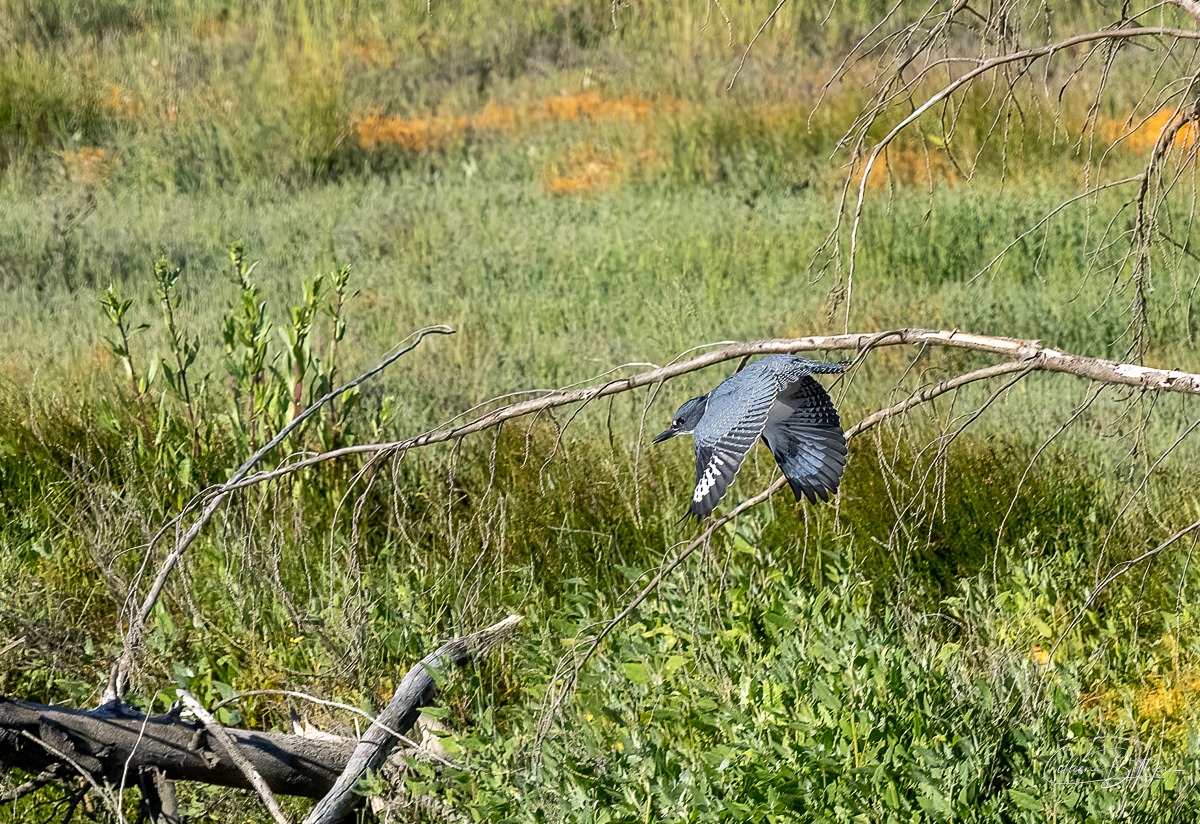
(1117, 571)
(414, 691)
(1145, 223)
(222, 738)
(1024, 55)
(1046, 218)
(1112, 528)
(754, 40)
(1092, 394)
(119, 675)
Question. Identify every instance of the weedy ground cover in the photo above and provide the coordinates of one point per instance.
(213, 213)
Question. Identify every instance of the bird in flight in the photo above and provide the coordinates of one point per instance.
(777, 399)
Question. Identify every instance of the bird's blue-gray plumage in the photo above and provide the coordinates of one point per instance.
(777, 399)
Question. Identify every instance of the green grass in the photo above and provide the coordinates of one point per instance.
(879, 659)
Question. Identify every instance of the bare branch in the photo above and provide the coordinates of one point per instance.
(400, 714)
(304, 696)
(222, 737)
(931, 392)
(1110, 35)
(1033, 353)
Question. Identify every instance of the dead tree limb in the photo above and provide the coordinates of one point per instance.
(108, 741)
(415, 691)
(1030, 353)
(983, 67)
(234, 754)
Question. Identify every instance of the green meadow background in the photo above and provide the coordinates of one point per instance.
(572, 187)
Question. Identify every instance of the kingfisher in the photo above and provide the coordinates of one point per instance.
(775, 398)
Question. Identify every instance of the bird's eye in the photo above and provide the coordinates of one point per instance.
(679, 422)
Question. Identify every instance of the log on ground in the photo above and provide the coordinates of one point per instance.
(115, 742)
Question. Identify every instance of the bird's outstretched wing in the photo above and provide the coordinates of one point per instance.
(734, 420)
(807, 442)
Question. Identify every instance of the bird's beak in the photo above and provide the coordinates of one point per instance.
(664, 436)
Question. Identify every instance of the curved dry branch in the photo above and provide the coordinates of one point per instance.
(929, 393)
(1145, 225)
(1023, 356)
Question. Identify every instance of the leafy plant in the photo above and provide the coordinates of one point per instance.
(117, 311)
(182, 350)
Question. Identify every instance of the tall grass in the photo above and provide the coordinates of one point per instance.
(570, 196)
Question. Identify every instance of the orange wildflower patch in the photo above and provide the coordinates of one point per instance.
(374, 51)
(123, 102)
(88, 166)
(910, 165)
(591, 104)
(375, 128)
(1142, 136)
(584, 169)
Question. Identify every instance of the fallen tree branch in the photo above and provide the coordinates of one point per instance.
(104, 744)
(107, 741)
(1031, 353)
(401, 713)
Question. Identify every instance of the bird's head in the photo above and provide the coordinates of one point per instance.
(685, 419)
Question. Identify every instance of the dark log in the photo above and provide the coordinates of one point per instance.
(117, 741)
